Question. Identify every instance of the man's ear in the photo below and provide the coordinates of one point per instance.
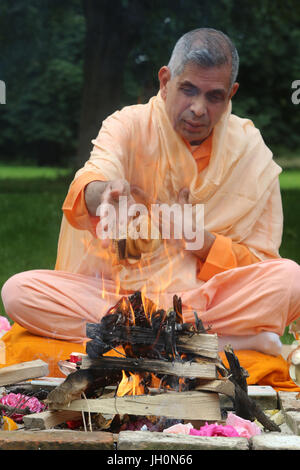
(164, 76)
(234, 89)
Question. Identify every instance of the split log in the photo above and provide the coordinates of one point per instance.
(177, 405)
(23, 371)
(49, 419)
(223, 386)
(205, 370)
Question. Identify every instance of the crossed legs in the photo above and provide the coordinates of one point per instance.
(248, 307)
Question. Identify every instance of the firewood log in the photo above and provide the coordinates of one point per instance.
(82, 381)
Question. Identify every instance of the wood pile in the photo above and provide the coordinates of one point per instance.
(184, 357)
(152, 343)
(170, 369)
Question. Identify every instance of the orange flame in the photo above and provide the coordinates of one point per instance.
(130, 385)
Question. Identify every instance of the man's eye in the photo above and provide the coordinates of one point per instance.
(215, 98)
(188, 91)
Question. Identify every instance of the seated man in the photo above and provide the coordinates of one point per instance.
(183, 146)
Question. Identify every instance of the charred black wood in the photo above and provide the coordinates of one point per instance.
(239, 374)
(148, 342)
(143, 331)
(245, 406)
(253, 410)
(177, 306)
(169, 334)
(199, 325)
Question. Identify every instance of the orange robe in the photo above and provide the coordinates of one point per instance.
(242, 288)
(223, 255)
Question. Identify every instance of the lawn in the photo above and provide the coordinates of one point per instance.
(31, 200)
(31, 214)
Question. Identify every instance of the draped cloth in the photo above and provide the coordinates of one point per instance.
(239, 189)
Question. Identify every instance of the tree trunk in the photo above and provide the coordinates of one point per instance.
(111, 30)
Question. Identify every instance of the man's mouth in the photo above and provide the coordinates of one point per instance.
(194, 126)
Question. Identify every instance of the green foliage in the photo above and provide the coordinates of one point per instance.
(42, 54)
(41, 63)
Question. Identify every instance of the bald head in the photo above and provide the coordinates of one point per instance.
(206, 48)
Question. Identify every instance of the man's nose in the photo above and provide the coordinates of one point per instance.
(198, 107)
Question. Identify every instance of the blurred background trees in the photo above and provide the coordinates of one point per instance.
(67, 65)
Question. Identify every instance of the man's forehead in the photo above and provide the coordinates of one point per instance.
(215, 77)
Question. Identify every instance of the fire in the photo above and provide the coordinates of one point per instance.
(130, 385)
(149, 307)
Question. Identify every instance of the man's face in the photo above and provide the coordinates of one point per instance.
(196, 99)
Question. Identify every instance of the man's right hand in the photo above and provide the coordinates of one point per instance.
(107, 192)
(98, 192)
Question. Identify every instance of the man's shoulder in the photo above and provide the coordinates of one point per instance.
(132, 121)
(240, 123)
(244, 128)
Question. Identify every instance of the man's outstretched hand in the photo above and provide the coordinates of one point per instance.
(106, 194)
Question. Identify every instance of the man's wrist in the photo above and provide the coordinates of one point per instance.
(209, 239)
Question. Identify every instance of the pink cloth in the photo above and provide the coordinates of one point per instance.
(215, 429)
(243, 301)
(244, 427)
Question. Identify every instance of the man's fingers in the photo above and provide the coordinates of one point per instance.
(114, 190)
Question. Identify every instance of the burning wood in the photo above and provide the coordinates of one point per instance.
(154, 341)
(160, 358)
(156, 350)
(143, 331)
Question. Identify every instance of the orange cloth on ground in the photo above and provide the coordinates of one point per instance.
(22, 346)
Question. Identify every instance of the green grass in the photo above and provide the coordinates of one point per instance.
(31, 172)
(290, 179)
(31, 200)
(30, 218)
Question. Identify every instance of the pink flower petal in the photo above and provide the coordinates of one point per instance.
(179, 428)
(21, 401)
(4, 324)
(244, 427)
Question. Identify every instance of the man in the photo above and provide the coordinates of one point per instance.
(183, 146)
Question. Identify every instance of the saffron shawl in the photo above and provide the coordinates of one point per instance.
(239, 189)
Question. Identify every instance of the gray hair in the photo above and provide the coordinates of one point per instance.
(205, 47)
